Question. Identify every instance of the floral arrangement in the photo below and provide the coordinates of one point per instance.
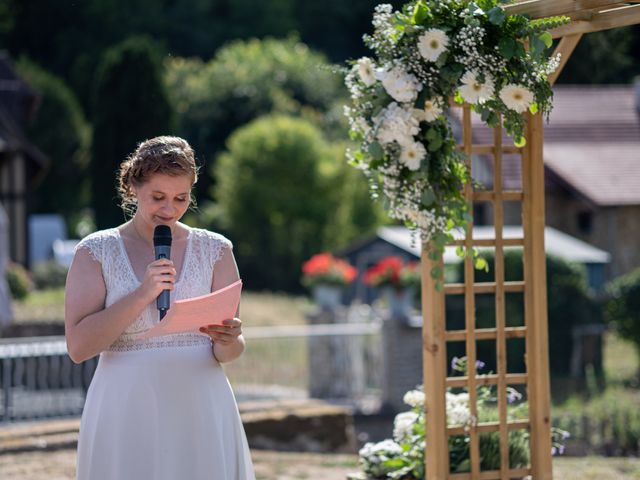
(424, 55)
(392, 271)
(403, 456)
(324, 268)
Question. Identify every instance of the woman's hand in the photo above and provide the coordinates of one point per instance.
(160, 275)
(224, 334)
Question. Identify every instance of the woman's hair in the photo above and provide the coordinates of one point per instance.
(167, 155)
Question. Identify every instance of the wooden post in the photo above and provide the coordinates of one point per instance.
(434, 362)
(537, 343)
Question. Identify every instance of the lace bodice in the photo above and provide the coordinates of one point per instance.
(203, 250)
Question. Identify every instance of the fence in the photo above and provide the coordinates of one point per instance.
(337, 361)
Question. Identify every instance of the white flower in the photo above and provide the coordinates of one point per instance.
(432, 43)
(414, 398)
(432, 109)
(401, 85)
(403, 425)
(458, 412)
(516, 97)
(396, 124)
(473, 91)
(366, 71)
(412, 154)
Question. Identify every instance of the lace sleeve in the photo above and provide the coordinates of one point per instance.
(94, 245)
(218, 245)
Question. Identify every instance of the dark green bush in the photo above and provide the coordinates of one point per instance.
(623, 306)
(49, 274)
(19, 281)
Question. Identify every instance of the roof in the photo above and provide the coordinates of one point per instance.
(557, 243)
(592, 142)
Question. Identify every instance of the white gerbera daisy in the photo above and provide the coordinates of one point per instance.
(412, 154)
(516, 97)
(432, 109)
(473, 91)
(366, 71)
(432, 43)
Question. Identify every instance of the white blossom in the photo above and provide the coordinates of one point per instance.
(399, 84)
(412, 155)
(403, 425)
(414, 398)
(432, 44)
(366, 70)
(432, 109)
(396, 124)
(473, 91)
(458, 412)
(516, 97)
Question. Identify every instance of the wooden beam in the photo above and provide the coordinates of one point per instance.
(548, 8)
(618, 17)
(565, 49)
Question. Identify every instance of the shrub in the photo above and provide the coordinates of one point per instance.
(623, 306)
(49, 274)
(19, 282)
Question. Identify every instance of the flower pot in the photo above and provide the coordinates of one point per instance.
(327, 297)
(400, 302)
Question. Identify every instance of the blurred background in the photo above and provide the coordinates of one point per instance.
(256, 88)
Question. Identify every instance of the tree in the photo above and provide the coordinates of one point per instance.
(281, 199)
(131, 105)
(61, 131)
(247, 79)
(623, 307)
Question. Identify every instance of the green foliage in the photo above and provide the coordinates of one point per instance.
(569, 304)
(281, 198)
(49, 274)
(245, 80)
(623, 306)
(19, 281)
(131, 105)
(61, 131)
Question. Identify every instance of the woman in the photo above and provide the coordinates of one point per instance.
(160, 408)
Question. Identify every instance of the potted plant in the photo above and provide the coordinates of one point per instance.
(398, 280)
(326, 276)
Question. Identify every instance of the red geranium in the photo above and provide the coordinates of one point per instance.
(394, 272)
(325, 268)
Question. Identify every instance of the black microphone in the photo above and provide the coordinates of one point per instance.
(162, 248)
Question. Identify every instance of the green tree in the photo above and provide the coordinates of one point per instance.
(623, 307)
(131, 105)
(61, 131)
(247, 79)
(279, 194)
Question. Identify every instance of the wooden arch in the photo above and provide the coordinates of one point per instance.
(588, 16)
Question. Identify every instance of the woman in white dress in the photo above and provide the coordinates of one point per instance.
(161, 408)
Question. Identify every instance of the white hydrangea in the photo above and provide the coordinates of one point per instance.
(400, 85)
(387, 448)
(396, 124)
(403, 425)
(432, 44)
(412, 154)
(366, 70)
(473, 91)
(458, 412)
(516, 97)
(414, 398)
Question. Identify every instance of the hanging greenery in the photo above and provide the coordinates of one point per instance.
(429, 52)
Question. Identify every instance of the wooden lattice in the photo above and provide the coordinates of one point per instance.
(533, 286)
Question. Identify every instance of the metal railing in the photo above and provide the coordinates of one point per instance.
(334, 361)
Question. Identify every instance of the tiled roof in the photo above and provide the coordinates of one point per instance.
(592, 141)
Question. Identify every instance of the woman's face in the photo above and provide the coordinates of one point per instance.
(163, 199)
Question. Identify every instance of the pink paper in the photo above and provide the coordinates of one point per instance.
(190, 314)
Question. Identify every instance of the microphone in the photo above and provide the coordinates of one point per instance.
(162, 248)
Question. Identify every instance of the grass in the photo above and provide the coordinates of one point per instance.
(41, 306)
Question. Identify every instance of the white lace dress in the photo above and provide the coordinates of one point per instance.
(160, 409)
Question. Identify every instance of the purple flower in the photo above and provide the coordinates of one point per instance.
(455, 361)
(480, 364)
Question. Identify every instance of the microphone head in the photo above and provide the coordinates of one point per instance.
(162, 236)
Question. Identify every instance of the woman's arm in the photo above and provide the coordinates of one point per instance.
(228, 342)
(90, 328)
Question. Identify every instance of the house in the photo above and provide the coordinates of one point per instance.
(592, 170)
(21, 163)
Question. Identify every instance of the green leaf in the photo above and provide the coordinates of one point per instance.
(422, 97)
(507, 47)
(460, 251)
(481, 264)
(439, 287)
(435, 144)
(519, 142)
(436, 272)
(496, 16)
(546, 38)
(458, 98)
(428, 197)
(376, 151)
(533, 108)
(420, 13)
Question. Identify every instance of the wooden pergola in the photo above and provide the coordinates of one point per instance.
(587, 16)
